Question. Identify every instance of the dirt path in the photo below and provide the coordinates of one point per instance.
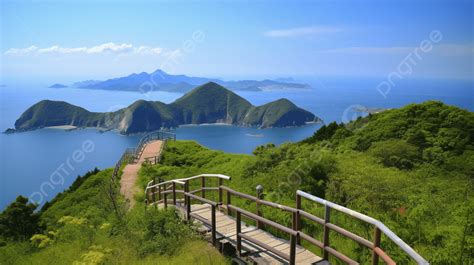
(130, 172)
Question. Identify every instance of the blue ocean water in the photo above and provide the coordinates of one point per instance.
(30, 161)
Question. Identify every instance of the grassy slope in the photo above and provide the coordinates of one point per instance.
(99, 238)
(428, 205)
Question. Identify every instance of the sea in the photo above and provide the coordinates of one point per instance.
(39, 164)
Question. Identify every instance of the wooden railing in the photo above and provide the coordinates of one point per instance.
(295, 233)
(127, 157)
(157, 159)
(130, 155)
(157, 135)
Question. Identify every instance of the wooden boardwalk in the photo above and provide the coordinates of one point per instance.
(252, 244)
(130, 171)
(226, 233)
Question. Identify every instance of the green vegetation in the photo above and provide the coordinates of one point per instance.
(412, 168)
(80, 226)
(209, 103)
(19, 221)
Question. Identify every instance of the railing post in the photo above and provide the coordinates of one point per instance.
(375, 257)
(166, 200)
(297, 220)
(203, 185)
(259, 189)
(174, 193)
(293, 249)
(187, 200)
(228, 202)
(153, 191)
(327, 217)
(238, 231)
(220, 190)
(159, 193)
(213, 224)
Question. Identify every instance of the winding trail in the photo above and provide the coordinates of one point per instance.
(129, 177)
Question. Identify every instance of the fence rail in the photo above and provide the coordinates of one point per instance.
(159, 192)
(130, 155)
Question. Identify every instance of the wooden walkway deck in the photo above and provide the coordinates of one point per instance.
(253, 244)
(226, 233)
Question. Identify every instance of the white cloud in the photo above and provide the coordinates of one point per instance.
(15, 51)
(110, 47)
(301, 32)
(441, 49)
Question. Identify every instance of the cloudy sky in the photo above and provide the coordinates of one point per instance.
(59, 40)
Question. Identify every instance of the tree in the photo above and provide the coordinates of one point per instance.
(19, 220)
(395, 153)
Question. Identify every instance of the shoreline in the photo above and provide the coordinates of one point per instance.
(62, 127)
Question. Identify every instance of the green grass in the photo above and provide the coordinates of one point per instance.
(418, 182)
(82, 228)
(420, 187)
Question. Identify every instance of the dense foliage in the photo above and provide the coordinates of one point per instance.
(19, 221)
(81, 227)
(412, 168)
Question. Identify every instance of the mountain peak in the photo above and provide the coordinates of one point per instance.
(159, 71)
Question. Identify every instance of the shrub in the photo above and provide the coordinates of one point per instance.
(395, 153)
(19, 220)
(165, 232)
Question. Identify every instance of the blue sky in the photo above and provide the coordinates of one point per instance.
(64, 41)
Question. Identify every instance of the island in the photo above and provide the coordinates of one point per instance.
(208, 103)
(58, 86)
(159, 80)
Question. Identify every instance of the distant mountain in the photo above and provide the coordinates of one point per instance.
(285, 79)
(86, 83)
(57, 86)
(208, 103)
(161, 81)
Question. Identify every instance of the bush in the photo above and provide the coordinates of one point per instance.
(165, 232)
(395, 153)
(19, 220)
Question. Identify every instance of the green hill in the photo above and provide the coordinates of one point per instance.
(209, 103)
(412, 168)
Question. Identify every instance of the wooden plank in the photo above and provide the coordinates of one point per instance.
(226, 230)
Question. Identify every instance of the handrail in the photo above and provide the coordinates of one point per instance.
(260, 201)
(134, 153)
(295, 231)
(398, 241)
(266, 221)
(156, 135)
(127, 154)
(183, 180)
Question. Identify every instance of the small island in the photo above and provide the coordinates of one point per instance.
(209, 103)
(58, 86)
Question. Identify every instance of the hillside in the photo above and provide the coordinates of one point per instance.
(411, 168)
(209, 103)
(421, 187)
